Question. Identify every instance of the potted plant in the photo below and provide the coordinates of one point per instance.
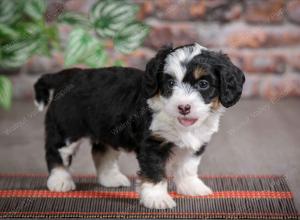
(24, 32)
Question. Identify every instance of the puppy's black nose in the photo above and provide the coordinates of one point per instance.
(184, 109)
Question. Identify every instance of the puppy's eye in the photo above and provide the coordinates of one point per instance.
(170, 83)
(202, 85)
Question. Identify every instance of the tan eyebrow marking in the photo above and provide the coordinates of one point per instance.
(199, 72)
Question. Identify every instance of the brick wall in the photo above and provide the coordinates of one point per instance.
(261, 36)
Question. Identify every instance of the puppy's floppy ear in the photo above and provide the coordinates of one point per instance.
(231, 81)
(153, 69)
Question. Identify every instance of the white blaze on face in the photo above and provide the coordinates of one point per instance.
(174, 61)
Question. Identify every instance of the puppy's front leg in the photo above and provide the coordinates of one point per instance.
(186, 174)
(154, 188)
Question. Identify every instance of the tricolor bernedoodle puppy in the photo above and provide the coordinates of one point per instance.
(165, 114)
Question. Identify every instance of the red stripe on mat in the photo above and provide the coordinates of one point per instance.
(150, 213)
(134, 195)
(134, 177)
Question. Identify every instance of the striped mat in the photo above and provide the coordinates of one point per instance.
(251, 197)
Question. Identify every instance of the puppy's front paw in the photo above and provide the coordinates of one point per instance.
(158, 202)
(60, 181)
(155, 196)
(114, 180)
(163, 201)
(193, 186)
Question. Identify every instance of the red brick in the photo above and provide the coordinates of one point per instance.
(267, 11)
(293, 60)
(211, 35)
(233, 13)
(272, 87)
(293, 11)
(180, 9)
(265, 63)
(224, 11)
(277, 87)
(178, 34)
(197, 9)
(146, 9)
(246, 37)
(259, 62)
(252, 85)
(213, 4)
(22, 86)
(284, 36)
(255, 37)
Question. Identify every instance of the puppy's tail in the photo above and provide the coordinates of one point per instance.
(50, 82)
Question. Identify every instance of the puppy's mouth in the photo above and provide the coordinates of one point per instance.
(187, 121)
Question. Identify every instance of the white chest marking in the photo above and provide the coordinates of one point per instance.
(190, 138)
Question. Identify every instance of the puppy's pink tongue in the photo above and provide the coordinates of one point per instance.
(187, 121)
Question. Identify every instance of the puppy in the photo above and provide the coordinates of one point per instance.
(166, 115)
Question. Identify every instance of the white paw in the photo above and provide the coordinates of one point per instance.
(60, 181)
(163, 201)
(114, 180)
(193, 186)
(155, 196)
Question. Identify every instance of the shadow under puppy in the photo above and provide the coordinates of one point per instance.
(166, 115)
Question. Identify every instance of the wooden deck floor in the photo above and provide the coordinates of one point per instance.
(256, 137)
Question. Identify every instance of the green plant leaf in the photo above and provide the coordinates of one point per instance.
(15, 54)
(35, 8)
(32, 29)
(131, 37)
(80, 45)
(7, 32)
(24, 46)
(8, 11)
(109, 16)
(43, 46)
(97, 58)
(75, 19)
(5, 92)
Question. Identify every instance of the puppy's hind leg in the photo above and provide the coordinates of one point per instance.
(107, 168)
(58, 157)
